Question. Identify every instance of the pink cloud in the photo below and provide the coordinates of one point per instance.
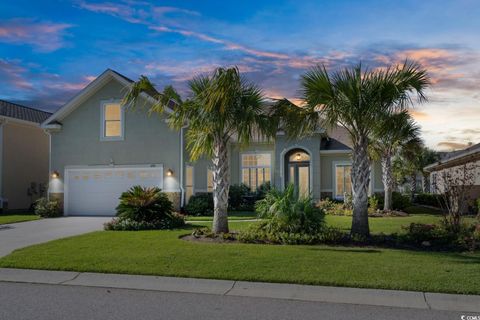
(44, 36)
(13, 74)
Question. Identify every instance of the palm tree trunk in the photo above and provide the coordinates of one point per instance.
(360, 181)
(425, 183)
(221, 185)
(413, 185)
(387, 179)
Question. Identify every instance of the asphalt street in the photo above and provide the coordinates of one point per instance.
(25, 301)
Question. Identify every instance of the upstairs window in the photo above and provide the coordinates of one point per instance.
(112, 121)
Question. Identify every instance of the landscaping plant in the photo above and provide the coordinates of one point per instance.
(47, 208)
(200, 205)
(143, 208)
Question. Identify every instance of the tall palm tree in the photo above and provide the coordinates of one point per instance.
(356, 98)
(222, 106)
(393, 132)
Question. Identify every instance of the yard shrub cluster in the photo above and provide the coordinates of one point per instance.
(399, 201)
(144, 209)
(428, 199)
(332, 207)
(442, 236)
(240, 198)
(289, 219)
(200, 205)
(47, 208)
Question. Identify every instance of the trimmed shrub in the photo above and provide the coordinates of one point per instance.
(399, 201)
(122, 224)
(373, 203)
(236, 196)
(200, 205)
(260, 233)
(144, 209)
(262, 190)
(47, 208)
(442, 236)
(334, 208)
(428, 199)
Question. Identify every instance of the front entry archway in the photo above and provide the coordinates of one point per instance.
(297, 171)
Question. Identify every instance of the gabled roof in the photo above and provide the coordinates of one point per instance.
(107, 76)
(16, 111)
(455, 157)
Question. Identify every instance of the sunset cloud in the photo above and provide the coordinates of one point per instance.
(43, 36)
(451, 146)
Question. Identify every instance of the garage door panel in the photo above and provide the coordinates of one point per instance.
(97, 191)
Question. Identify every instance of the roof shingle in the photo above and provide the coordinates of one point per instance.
(13, 110)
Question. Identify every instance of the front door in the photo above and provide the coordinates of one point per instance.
(299, 175)
(298, 171)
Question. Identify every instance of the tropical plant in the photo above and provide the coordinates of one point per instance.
(357, 99)
(143, 204)
(222, 106)
(390, 134)
(285, 211)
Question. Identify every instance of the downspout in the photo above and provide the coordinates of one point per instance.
(49, 161)
(182, 190)
(2, 122)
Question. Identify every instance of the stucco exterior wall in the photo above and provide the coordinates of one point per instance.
(24, 160)
(147, 139)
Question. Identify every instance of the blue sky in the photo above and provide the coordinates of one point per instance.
(49, 50)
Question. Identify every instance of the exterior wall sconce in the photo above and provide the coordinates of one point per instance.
(169, 172)
(55, 175)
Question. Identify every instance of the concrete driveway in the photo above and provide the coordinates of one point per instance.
(19, 235)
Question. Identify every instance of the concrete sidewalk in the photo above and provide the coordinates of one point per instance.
(374, 297)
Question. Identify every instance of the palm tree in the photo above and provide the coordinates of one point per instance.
(356, 98)
(393, 132)
(412, 159)
(222, 107)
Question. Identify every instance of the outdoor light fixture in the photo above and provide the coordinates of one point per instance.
(55, 175)
(169, 172)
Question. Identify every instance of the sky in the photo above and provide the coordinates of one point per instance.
(50, 50)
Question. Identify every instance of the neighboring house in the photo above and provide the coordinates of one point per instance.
(454, 163)
(99, 149)
(24, 150)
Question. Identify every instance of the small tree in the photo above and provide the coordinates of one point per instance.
(455, 185)
(390, 135)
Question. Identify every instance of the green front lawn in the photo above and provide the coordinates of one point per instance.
(163, 253)
(13, 218)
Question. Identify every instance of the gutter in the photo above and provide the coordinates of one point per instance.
(182, 165)
(432, 166)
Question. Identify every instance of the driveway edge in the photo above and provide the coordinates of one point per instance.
(359, 296)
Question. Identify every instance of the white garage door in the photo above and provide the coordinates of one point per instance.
(96, 191)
